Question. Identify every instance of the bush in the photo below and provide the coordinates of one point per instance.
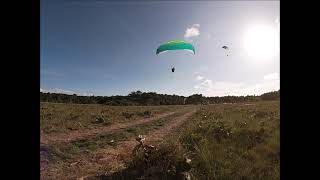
(145, 113)
(127, 115)
(166, 162)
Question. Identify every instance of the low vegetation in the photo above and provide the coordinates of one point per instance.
(229, 141)
(219, 141)
(57, 117)
(75, 149)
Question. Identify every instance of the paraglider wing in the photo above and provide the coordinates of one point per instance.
(175, 45)
(225, 47)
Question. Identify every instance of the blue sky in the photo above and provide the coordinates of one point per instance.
(108, 47)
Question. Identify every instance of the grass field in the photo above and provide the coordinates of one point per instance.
(234, 141)
(58, 117)
(223, 141)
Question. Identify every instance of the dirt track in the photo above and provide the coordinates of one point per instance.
(76, 135)
(110, 159)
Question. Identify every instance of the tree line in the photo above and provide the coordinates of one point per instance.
(151, 98)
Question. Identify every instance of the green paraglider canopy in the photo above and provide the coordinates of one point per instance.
(175, 45)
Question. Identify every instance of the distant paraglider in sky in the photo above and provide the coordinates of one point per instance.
(175, 45)
(227, 49)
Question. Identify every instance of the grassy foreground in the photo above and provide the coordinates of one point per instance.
(222, 141)
(226, 141)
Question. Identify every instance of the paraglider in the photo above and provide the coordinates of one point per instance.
(226, 48)
(175, 45)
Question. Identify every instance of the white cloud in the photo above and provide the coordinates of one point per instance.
(224, 88)
(199, 78)
(220, 88)
(193, 31)
(62, 91)
(86, 94)
(57, 90)
(271, 76)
